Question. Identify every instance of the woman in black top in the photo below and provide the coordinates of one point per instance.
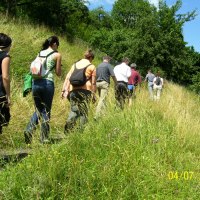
(5, 44)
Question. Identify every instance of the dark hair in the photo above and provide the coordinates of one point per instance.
(158, 73)
(50, 41)
(107, 58)
(5, 41)
(89, 54)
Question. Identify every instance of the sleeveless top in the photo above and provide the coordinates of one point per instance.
(3, 55)
(50, 63)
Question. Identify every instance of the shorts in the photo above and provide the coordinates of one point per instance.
(131, 88)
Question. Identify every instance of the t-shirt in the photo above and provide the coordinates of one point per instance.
(122, 72)
(135, 77)
(104, 71)
(157, 86)
(150, 77)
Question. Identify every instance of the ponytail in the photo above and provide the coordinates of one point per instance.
(49, 42)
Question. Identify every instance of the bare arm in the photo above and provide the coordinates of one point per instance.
(6, 76)
(58, 64)
(93, 84)
(114, 79)
(66, 86)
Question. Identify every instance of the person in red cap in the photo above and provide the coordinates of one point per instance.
(133, 81)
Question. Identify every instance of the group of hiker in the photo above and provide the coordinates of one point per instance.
(80, 86)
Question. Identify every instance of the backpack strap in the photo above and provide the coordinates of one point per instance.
(47, 54)
(83, 68)
(47, 57)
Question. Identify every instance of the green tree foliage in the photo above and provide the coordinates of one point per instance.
(59, 15)
(196, 83)
(175, 57)
(150, 36)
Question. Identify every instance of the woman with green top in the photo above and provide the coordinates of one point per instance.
(43, 91)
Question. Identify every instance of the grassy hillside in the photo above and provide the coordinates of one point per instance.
(27, 41)
(148, 151)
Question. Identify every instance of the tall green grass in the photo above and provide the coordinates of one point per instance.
(148, 151)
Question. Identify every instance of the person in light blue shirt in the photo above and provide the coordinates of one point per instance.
(149, 78)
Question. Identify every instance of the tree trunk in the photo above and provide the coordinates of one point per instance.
(10, 7)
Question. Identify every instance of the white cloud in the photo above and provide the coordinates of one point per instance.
(110, 1)
(154, 2)
(102, 2)
(96, 3)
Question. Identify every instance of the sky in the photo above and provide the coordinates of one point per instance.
(191, 29)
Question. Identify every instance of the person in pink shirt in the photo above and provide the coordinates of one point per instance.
(133, 81)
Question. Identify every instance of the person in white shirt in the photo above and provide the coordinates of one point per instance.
(157, 86)
(122, 74)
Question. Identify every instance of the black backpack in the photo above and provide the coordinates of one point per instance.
(78, 77)
(158, 81)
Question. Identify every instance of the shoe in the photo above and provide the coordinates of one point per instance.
(27, 137)
(46, 141)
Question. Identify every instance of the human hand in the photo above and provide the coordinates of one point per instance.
(94, 98)
(64, 94)
(8, 102)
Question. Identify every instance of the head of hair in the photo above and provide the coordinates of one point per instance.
(133, 65)
(126, 60)
(50, 41)
(158, 74)
(5, 41)
(108, 58)
(89, 54)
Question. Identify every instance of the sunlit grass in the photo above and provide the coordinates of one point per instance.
(148, 151)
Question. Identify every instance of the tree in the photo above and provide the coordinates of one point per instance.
(175, 59)
(62, 15)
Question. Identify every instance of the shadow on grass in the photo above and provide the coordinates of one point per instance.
(12, 158)
(15, 157)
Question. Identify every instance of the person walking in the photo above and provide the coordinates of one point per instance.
(133, 81)
(149, 78)
(80, 94)
(122, 73)
(157, 86)
(5, 44)
(103, 74)
(43, 91)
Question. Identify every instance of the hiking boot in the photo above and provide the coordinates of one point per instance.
(68, 127)
(27, 137)
(45, 141)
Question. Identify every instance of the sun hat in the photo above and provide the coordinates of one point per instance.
(133, 65)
